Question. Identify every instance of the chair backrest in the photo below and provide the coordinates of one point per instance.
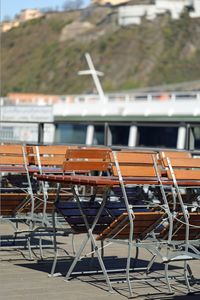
(87, 160)
(12, 154)
(47, 156)
(17, 186)
(187, 169)
(175, 154)
(134, 164)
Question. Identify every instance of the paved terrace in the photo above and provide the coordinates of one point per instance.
(22, 279)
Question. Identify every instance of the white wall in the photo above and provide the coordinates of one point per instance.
(196, 12)
(132, 14)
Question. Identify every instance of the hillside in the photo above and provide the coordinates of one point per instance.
(44, 55)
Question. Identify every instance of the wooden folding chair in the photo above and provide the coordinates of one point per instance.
(18, 191)
(185, 175)
(17, 196)
(46, 160)
(133, 169)
(86, 166)
(135, 166)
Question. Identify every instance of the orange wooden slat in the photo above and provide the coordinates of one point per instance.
(85, 166)
(135, 171)
(133, 157)
(51, 160)
(88, 153)
(185, 175)
(51, 150)
(11, 160)
(11, 149)
(174, 154)
(183, 163)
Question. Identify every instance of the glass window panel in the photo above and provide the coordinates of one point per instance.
(6, 133)
(154, 136)
(98, 135)
(70, 133)
(196, 134)
(120, 135)
(19, 132)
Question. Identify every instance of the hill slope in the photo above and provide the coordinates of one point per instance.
(45, 55)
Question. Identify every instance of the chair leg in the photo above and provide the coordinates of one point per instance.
(78, 254)
(29, 248)
(186, 276)
(96, 249)
(73, 245)
(150, 264)
(102, 248)
(167, 278)
(52, 273)
(190, 273)
(127, 270)
(54, 244)
(40, 246)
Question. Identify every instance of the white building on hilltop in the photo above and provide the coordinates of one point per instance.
(133, 14)
(24, 16)
(29, 14)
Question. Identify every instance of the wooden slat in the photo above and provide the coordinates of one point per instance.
(102, 154)
(11, 160)
(135, 171)
(174, 154)
(185, 175)
(94, 180)
(51, 150)
(13, 196)
(85, 166)
(133, 158)
(11, 149)
(51, 160)
(183, 163)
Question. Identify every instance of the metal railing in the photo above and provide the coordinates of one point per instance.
(112, 97)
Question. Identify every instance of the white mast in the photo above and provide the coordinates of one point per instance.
(92, 71)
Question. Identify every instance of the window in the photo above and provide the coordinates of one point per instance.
(120, 135)
(154, 136)
(196, 137)
(6, 133)
(98, 135)
(70, 133)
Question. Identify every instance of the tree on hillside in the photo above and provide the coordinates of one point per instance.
(72, 4)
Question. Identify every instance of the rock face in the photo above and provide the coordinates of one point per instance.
(74, 30)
